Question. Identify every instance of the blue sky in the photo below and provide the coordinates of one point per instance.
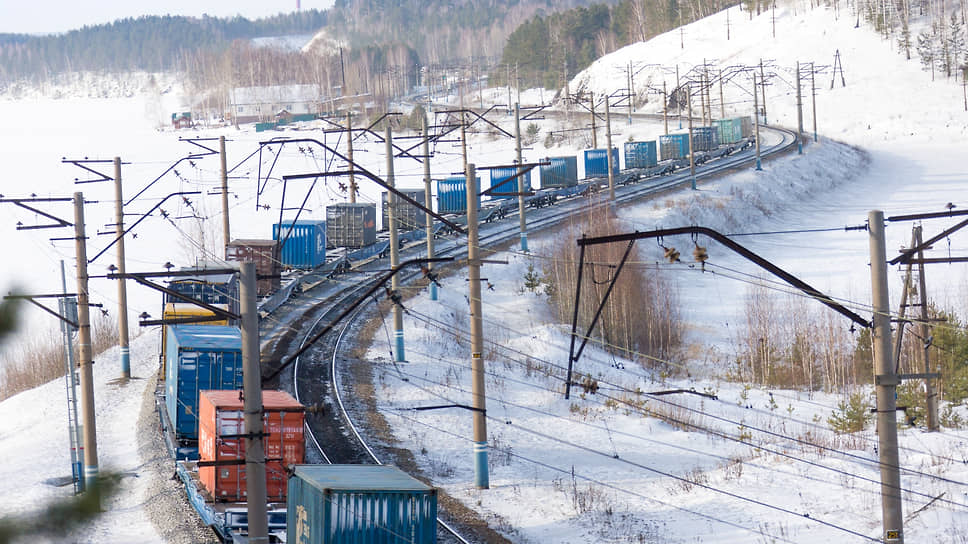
(43, 16)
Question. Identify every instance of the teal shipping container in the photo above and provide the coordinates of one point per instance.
(562, 172)
(503, 181)
(673, 146)
(733, 130)
(351, 504)
(596, 163)
(640, 155)
(452, 195)
(305, 246)
(199, 357)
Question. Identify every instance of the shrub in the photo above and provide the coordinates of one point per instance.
(852, 414)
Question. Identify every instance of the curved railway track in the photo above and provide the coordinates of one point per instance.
(339, 391)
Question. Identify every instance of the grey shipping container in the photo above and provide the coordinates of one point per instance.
(408, 216)
(673, 146)
(640, 154)
(596, 163)
(562, 172)
(349, 504)
(503, 180)
(452, 195)
(704, 138)
(265, 255)
(305, 246)
(350, 225)
(198, 357)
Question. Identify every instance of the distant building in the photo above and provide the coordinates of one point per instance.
(253, 104)
(181, 120)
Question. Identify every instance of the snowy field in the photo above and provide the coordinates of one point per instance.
(584, 470)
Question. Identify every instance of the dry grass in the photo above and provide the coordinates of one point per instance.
(42, 358)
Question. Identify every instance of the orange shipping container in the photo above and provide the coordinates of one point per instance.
(220, 426)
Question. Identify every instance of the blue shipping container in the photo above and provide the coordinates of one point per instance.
(673, 146)
(452, 195)
(502, 182)
(306, 245)
(349, 504)
(640, 155)
(562, 172)
(704, 138)
(596, 163)
(199, 357)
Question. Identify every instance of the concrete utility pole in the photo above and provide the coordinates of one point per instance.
(226, 233)
(255, 456)
(594, 128)
(813, 92)
(665, 108)
(477, 334)
(521, 188)
(427, 198)
(631, 94)
(68, 307)
(799, 114)
(85, 359)
(122, 287)
(508, 66)
(756, 120)
(678, 99)
(886, 381)
(692, 156)
(608, 152)
(930, 393)
(722, 101)
(398, 352)
(763, 89)
(349, 155)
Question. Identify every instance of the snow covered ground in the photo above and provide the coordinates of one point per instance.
(585, 470)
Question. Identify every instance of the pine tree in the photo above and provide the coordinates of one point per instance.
(904, 39)
(956, 42)
(926, 50)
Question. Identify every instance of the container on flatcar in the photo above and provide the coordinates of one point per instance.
(265, 255)
(673, 146)
(596, 163)
(704, 138)
(343, 504)
(305, 242)
(733, 130)
(640, 155)
(452, 195)
(408, 216)
(176, 310)
(221, 427)
(351, 225)
(562, 172)
(198, 357)
(503, 180)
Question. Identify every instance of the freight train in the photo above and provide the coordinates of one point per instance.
(200, 403)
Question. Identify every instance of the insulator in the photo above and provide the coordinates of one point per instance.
(699, 253)
(671, 254)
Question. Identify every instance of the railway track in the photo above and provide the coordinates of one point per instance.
(339, 391)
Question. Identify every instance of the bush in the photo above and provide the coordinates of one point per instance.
(852, 414)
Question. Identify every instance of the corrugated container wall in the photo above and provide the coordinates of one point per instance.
(221, 425)
(306, 244)
(704, 138)
(265, 255)
(640, 154)
(350, 225)
(199, 357)
(349, 504)
(503, 181)
(596, 163)
(175, 310)
(452, 195)
(562, 172)
(408, 216)
(673, 146)
(733, 130)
